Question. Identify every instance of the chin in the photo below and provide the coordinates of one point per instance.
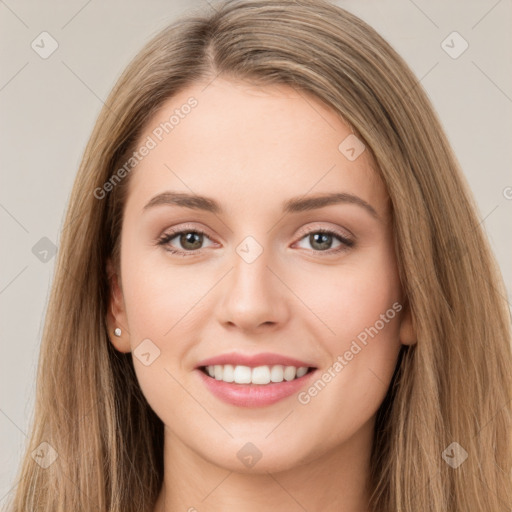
(256, 458)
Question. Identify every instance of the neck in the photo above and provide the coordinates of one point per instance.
(334, 481)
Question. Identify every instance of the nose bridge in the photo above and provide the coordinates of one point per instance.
(253, 295)
(251, 261)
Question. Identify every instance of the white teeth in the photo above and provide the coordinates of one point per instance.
(258, 375)
(301, 371)
(242, 375)
(276, 373)
(290, 372)
(228, 374)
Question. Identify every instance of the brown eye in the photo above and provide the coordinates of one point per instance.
(189, 241)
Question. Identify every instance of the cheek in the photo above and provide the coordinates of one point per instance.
(161, 317)
(159, 299)
(353, 297)
(360, 314)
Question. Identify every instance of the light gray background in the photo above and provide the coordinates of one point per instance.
(48, 108)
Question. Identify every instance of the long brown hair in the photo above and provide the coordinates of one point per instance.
(453, 385)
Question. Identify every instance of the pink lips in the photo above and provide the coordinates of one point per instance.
(253, 395)
(263, 359)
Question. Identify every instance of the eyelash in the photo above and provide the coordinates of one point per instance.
(346, 243)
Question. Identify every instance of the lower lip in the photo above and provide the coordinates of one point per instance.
(253, 395)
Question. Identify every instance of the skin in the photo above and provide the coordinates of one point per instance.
(250, 149)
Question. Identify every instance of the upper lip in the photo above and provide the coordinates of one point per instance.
(262, 359)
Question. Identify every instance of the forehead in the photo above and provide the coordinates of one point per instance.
(245, 143)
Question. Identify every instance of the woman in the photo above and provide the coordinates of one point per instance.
(273, 291)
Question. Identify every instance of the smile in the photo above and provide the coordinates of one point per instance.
(249, 394)
(261, 375)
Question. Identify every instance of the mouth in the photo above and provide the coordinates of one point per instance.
(259, 386)
(263, 375)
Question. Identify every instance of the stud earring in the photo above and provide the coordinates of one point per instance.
(117, 331)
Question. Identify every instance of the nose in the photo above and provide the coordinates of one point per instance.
(253, 296)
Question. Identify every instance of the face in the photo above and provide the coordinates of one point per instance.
(258, 269)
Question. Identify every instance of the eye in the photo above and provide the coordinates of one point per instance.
(190, 241)
(321, 240)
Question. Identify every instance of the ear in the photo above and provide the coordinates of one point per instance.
(116, 313)
(407, 331)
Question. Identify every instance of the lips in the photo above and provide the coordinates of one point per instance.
(261, 359)
(253, 395)
(250, 390)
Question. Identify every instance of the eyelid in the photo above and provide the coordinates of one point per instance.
(179, 229)
(186, 227)
(314, 227)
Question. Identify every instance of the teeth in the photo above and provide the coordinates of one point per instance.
(302, 371)
(276, 373)
(258, 375)
(228, 374)
(242, 375)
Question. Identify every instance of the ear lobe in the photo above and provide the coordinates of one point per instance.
(407, 332)
(116, 314)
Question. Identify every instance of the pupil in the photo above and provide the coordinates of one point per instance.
(188, 238)
(317, 239)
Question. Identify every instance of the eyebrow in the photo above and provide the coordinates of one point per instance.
(293, 205)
